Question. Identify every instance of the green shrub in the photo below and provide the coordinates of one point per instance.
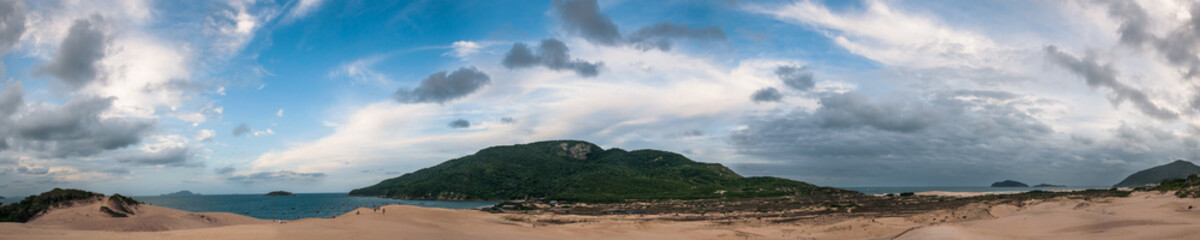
(32, 206)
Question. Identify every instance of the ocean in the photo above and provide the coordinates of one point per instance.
(303, 205)
(885, 190)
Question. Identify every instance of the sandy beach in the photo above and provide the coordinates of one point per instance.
(1143, 215)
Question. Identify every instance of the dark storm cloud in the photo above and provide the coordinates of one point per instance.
(440, 87)
(1178, 46)
(798, 78)
(659, 36)
(584, 17)
(460, 123)
(271, 177)
(74, 64)
(174, 156)
(12, 25)
(33, 170)
(1105, 76)
(999, 95)
(1133, 29)
(241, 129)
(930, 140)
(225, 170)
(76, 129)
(116, 171)
(552, 54)
(769, 94)
(853, 109)
(11, 99)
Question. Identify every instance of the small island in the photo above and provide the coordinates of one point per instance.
(1009, 183)
(280, 193)
(1048, 185)
(181, 193)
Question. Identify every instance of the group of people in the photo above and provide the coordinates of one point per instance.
(374, 208)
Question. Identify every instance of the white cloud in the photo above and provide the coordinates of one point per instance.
(145, 73)
(279, 113)
(263, 132)
(302, 8)
(233, 27)
(884, 34)
(462, 49)
(205, 135)
(360, 70)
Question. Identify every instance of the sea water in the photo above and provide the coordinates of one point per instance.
(302, 205)
(885, 190)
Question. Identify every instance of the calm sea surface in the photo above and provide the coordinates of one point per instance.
(883, 190)
(303, 205)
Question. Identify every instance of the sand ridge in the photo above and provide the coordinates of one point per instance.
(86, 215)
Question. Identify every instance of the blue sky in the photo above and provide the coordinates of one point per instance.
(243, 96)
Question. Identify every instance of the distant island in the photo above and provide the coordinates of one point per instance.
(280, 193)
(580, 171)
(1009, 183)
(181, 193)
(1048, 185)
(1175, 170)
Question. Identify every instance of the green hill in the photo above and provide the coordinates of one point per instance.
(579, 171)
(1155, 175)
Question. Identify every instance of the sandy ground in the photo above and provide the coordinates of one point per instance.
(1140, 216)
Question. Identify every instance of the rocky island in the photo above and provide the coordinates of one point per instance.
(280, 193)
(181, 193)
(1009, 183)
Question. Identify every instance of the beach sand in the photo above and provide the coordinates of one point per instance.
(1143, 215)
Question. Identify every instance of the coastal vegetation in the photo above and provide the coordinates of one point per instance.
(581, 171)
(34, 205)
(1174, 170)
(1188, 187)
(803, 208)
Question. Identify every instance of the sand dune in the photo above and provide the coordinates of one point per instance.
(87, 216)
(1140, 216)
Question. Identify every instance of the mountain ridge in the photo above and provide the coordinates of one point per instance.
(579, 171)
(1158, 174)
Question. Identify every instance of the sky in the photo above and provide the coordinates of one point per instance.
(144, 97)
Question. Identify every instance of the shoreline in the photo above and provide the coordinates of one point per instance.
(1140, 215)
